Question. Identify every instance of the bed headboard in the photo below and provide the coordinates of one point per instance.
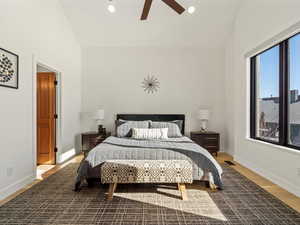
(154, 117)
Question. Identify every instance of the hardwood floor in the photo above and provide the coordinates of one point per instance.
(288, 198)
(42, 177)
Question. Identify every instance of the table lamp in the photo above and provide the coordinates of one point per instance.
(203, 116)
(99, 117)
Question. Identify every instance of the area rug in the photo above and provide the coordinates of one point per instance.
(52, 201)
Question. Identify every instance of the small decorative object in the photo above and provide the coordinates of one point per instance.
(150, 84)
(203, 116)
(9, 63)
(99, 117)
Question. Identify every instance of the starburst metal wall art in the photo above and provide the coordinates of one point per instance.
(150, 84)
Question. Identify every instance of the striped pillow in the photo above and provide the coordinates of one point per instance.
(124, 127)
(138, 133)
(173, 127)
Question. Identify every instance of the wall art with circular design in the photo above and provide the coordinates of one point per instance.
(151, 84)
(9, 69)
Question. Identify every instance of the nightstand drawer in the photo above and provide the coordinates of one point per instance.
(96, 140)
(212, 137)
(211, 147)
(91, 140)
(88, 142)
(208, 140)
(197, 139)
(211, 141)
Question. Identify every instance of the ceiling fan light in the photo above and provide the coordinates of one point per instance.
(191, 9)
(111, 8)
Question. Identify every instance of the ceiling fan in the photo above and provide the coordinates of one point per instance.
(171, 3)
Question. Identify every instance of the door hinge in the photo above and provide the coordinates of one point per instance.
(55, 116)
(55, 82)
(55, 149)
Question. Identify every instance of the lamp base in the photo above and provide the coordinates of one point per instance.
(203, 126)
(101, 129)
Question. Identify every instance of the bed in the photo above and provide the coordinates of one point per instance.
(205, 167)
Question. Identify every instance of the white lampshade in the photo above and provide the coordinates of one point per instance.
(111, 8)
(99, 114)
(203, 114)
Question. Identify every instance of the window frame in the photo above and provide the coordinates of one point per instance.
(283, 95)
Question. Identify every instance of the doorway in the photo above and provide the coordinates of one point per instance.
(46, 97)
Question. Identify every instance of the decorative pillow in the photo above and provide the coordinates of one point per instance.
(174, 127)
(159, 133)
(178, 122)
(124, 127)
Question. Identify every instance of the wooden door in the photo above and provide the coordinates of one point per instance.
(46, 114)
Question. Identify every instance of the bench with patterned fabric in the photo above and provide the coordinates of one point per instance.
(146, 171)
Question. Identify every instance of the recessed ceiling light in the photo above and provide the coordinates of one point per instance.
(191, 9)
(111, 8)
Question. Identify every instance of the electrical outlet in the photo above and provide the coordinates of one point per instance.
(298, 172)
(9, 172)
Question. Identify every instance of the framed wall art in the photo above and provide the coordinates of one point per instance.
(9, 69)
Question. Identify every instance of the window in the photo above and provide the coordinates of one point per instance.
(275, 94)
(294, 94)
(267, 94)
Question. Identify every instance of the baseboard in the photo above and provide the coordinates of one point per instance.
(226, 151)
(16, 186)
(65, 156)
(280, 181)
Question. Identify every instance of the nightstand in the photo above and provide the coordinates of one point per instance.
(91, 140)
(208, 140)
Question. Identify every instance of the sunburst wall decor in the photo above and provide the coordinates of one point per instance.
(150, 84)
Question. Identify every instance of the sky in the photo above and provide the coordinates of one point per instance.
(269, 69)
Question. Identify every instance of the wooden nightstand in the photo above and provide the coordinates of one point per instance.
(91, 140)
(208, 140)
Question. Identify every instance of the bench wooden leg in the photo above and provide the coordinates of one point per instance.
(182, 189)
(212, 186)
(111, 190)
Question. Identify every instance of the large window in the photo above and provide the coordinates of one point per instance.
(267, 94)
(275, 94)
(294, 91)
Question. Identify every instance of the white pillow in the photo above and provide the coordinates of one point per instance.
(141, 133)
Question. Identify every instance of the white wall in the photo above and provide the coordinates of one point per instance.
(38, 28)
(229, 98)
(190, 78)
(257, 22)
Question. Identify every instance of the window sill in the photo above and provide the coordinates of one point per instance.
(282, 148)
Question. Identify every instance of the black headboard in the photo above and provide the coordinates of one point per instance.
(154, 117)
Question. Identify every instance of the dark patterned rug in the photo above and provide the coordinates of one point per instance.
(53, 202)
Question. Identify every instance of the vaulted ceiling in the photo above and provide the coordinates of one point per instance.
(94, 25)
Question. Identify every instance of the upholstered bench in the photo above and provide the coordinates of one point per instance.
(146, 171)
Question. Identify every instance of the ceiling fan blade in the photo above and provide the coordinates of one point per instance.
(146, 9)
(174, 5)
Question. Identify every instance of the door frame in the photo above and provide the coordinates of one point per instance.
(37, 62)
